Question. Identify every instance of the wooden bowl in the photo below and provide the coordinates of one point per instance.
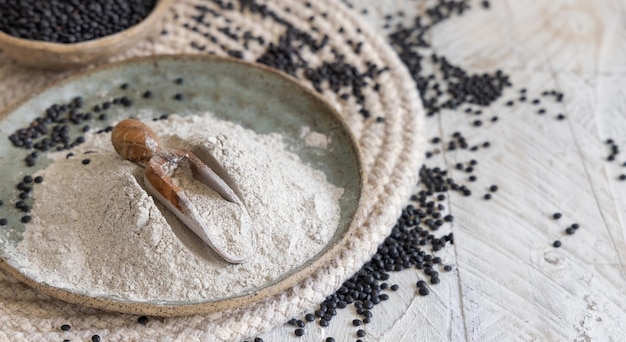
(58, 56)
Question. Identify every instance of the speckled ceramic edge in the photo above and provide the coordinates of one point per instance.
(57, 56)
(168, 310)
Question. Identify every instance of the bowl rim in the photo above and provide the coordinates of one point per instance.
(60, 48)
(169, 309)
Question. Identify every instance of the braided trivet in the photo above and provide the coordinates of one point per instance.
(381, 107)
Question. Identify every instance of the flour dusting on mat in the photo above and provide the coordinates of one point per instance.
(96, 230)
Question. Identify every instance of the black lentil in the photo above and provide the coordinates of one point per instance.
(423, 291)
(3, 222)
(622, 177)
(38, 179)
(142, 320)
(570, 230)
(66, 327)
(447, 268)
(330, 339)
(357, 322)
(493, 188)
(258, 339)
(360, 333)
(556, 216)
(71, 22)
(299, 332)
(178, 97)
(26, 219)
(86, 161)
(487, 196)
(556, 244)
(95, 338)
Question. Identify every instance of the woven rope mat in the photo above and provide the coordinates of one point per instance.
(389, 150)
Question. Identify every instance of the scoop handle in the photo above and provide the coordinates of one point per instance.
(135, 141)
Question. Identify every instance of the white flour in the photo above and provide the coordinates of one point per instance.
(96, 230)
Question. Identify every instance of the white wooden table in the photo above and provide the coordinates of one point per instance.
(508, 282)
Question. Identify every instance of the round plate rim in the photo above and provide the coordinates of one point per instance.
(182, 309)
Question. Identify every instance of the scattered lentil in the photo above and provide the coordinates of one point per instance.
(556, 244)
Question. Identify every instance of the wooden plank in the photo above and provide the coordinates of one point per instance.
(573, 35)
(511, 283)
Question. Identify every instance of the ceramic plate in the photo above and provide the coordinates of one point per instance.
(256, 97)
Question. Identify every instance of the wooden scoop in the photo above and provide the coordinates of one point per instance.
(136, 142)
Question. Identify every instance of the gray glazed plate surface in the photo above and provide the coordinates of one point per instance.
(256, 97)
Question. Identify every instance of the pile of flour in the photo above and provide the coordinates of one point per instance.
(96, 230)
